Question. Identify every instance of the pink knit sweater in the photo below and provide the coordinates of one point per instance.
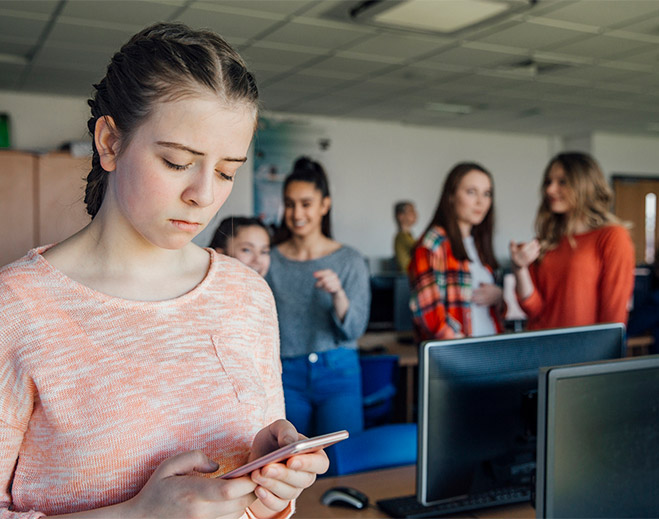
(96, 391)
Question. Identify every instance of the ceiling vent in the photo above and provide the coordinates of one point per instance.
(534, 68)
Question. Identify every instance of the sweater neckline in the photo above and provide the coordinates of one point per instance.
(36, 255)
(276, 249)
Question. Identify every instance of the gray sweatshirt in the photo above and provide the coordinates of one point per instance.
(307, 321)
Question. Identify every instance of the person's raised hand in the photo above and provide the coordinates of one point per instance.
(328, 281)
(522, 254)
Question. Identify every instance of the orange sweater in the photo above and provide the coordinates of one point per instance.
(591, 283)
(96, 391)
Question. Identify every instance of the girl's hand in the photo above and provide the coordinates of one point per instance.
(523, 254)
(328, 281)
(173, 490)
(487, 295)
(280, 483)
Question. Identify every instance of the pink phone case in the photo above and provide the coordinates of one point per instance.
(285, 452)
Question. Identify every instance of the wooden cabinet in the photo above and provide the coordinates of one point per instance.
(41, 200)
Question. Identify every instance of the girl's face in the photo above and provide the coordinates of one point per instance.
(557, 191)
(472, 199)
(304, 208)
(251, 245)
(177, 169)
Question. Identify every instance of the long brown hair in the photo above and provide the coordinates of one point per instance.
(588, 194)
(445, 217)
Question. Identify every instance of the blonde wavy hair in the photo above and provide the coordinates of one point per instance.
(588, 194)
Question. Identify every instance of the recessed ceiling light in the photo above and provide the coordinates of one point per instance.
(435, 16)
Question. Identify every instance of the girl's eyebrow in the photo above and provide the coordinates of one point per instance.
(182, 147)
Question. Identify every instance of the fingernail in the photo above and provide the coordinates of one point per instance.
(270, 472)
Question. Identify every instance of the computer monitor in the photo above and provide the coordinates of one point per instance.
(477, 406)
(598, 440)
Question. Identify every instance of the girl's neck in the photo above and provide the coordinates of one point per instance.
(465, 229)
(122, 268)
(304, 248)
(580, 227)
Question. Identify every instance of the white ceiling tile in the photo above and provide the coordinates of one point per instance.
(531, 36)
(45, 7)
(19, 27)
(394, 45)
(601, 47)
(470, 58)
(346, 67)
(258, 54)
(315, 35)
(132, 12)
(604, 13)
(280, 7)
(80, 33)
(234, 27)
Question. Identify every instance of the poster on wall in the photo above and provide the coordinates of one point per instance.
(277, 144)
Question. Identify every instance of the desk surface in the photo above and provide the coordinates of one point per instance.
(382, 484)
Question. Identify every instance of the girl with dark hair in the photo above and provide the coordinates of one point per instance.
(453, 293)
(322, 292)
(245, 238)
(134, 364)
(580, 268)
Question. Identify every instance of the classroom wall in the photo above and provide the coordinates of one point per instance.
(371, 165)
(631, 154)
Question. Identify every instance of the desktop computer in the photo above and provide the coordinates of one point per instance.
(598, 440)
(477, 415)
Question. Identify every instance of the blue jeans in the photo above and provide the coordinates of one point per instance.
(323, 392)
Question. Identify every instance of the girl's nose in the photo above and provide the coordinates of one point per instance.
(200, 190)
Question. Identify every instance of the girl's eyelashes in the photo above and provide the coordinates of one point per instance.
(182, 167)
(177, 167)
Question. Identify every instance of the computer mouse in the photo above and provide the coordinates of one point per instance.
(345, 496)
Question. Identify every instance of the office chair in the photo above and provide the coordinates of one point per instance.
(379, 447)
(379, 387)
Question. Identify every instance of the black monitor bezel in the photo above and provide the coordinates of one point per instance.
(424, 352)
(547, 381)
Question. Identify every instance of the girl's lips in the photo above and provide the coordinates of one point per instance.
(185, 225)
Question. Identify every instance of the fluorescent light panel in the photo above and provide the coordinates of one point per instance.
(440, 15)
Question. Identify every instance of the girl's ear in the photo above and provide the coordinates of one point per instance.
(106, 138)
(326, 205)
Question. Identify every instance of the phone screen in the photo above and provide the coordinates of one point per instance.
(299, 447)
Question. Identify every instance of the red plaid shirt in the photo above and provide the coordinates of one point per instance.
(440, 284)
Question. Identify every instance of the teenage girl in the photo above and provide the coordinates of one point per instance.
(245, 238)
(322, 292)
(134, 364)
(453, 293)
(580, 268)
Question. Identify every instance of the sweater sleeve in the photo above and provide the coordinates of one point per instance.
(358, 290)
(617, 277)
(533, 304)
(427, 273)
(10, 443)
(271, 368)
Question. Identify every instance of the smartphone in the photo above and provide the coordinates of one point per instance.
(299, 447)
